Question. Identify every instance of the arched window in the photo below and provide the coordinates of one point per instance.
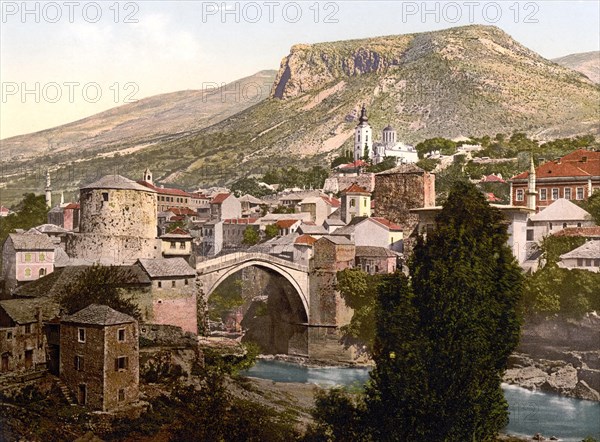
(27, 272)
(42, 272)
(352, 203)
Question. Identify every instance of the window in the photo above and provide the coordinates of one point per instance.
(27, 329)
(121, 335)
(121, 395)
(186, 281)
(42, 257)
(173, 284)
(104, 196)
(27, 272)
(81, 335)
(567, 193)
(9, 335)
(519, 194)
(596, 262)
(159, 284)
(564, 225)
(555, 194)
(173, 245)
(27, 257)
(579, 262)
(578, 224)
(365, 202)
(588, 262)
(182, 245)
(580, 193)
(550, 226)
(79, 363)
(42, 272)
(529, 234)
(543, 194)
(352, 203)
(121, 363)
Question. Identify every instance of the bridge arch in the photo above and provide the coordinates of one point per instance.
(287, 274)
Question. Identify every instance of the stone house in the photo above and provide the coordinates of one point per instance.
(332, 224)
(22, 335)
(356, 201)
(287, 226)
(233, 231)
(212, 238)
(376, 260)
(561, 214)
(303, 249)
(26, 257)
(177, 243)
(316, 231)
(575, 176)
(319, 207)
(585, 257)
(225, 206)
(251, 206)
(99, 357)
(173, 294)
(373, 231)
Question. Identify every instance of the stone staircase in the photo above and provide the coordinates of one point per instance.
(66, 392)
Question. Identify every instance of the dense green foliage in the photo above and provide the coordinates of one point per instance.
(442, 339)
(30, 212)
(359, 290)
(554, 290)
(592, 205)
(288, 177)
(271, 231)
(226, 297)
(249, 186)
(446, 147)
(251, 236)
(386, 164)
(100, 285)
(428, 164)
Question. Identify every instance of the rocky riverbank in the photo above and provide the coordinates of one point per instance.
(559, 355)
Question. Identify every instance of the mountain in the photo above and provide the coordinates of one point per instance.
(472, 80)
(588, 63)
(148, 121)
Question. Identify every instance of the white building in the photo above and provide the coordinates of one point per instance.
(386, 148)
(586, 257)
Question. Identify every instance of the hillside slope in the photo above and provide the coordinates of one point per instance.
(588, 63)
(472, 80)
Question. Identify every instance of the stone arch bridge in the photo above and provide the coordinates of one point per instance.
(214, 271)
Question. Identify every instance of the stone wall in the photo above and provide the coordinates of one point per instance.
(111, 249)
(175, 305)
(125, 380)
(397, 192)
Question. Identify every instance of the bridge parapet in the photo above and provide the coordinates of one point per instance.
(233, 259)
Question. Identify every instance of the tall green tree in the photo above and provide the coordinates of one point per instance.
(30, 212)
(466, 286)
(251, 236)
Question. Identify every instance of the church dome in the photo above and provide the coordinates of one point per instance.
(388, 128)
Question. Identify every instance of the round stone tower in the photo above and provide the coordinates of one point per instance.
(117, 222)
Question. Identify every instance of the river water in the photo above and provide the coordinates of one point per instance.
(530, 412)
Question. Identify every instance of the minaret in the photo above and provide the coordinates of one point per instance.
(148, 176)
(362, 136)
(531, 192)
(48, 189)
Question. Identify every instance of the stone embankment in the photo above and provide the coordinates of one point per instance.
(560, 356)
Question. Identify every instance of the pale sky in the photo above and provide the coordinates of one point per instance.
(65, 60)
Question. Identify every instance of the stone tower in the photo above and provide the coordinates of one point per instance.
(399, 190)
(48, 189)
(117, 222)
(363, 138)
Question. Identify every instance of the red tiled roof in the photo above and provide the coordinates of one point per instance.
(354, 164)
(72, 206)
(306, 240)
(571, 165)
(492, 198)
(492, 179)
(355, 188)
(286, 223)
(333, 202)
(240, 221)
(182, 211)
(219, 198)
(387, 223)
(579, 231)
(165, 190)
(4, 209)
(177, 218)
